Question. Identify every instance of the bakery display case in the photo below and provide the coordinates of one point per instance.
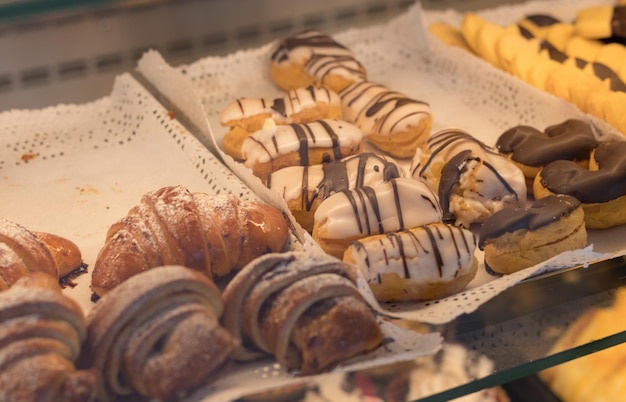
(102, 102)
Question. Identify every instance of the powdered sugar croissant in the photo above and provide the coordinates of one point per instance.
(41, 333)
(23, 251)
(214, 234)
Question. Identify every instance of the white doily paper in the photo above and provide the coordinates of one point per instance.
(73, 170)
(463, 91)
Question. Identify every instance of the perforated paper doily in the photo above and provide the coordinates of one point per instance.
(463, 91)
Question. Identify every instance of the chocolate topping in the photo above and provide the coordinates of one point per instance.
(554, 53)
(602, 185)
(618, 21)
(539, 214)
(604, 72)
(539, 20)
(308, 38)
(571, 140)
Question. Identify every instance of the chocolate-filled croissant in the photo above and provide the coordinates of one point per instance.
(214, 234)
(41, 332)
(303, 309)
(157, 335)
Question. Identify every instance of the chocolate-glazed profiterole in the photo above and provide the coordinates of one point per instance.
(423, 263)
(390, 206)
(518, 238)
(471, 179)
(601, 188)
(305, 187)
(391, 121)
(312, 57)
(531, 149)
(244, 116)
(275, 147)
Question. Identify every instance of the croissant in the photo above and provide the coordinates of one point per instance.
(23, 251)
(41, 332)
(214, 234)
(305, 310)
(157, 334)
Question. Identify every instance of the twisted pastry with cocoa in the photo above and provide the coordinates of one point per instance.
(158, 334)
(23, 251)
(41, 332)
(214, 234)
(305, 310)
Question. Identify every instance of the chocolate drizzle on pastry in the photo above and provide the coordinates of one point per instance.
(540, 213)
(590, 186)
(618, 21)
(571, 140)
(326, 55)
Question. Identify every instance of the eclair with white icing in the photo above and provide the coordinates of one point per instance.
(305, 187)
(422, 263)
(390, 120)
(244, 116)
(390, 206)
(312, 57)
(275, 147)
(471, 179)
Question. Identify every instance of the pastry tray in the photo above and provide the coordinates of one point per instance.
(73, 170)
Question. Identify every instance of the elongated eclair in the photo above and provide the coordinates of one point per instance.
(275, 147)
(472, 180)
(313, 57)
(391, 121)
(305, 187)
(244, 116)
(422, 263)
(382, 208)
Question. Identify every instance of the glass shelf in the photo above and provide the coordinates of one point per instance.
(516, 330)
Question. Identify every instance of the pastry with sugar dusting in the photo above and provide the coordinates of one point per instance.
(305, 187)
(275, 147)
(244, 116)
(313, 57)
(390, 120)
(471, 179)
(422, 263)
(381, 208)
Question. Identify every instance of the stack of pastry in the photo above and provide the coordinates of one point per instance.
(581, 60)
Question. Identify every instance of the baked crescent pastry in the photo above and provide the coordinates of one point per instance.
(303, 309)
(23, 251)
(214, 234)
(157, 334)
(41, 333)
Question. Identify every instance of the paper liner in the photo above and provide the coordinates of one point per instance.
(73, 170)
(463, 91)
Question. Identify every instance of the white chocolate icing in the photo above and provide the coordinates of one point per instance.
(323, 180)
(485, 180)
(282, 108)
(385, 207)
(272, 141)
(378, 110)
(426, 254)
(321, 55)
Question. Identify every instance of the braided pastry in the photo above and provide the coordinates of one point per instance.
(172, 226)
(305, 310)
(157, 334)
(23, 251)
(41, 332)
